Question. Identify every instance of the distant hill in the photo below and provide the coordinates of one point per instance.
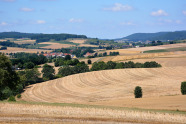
(39, 37)
(16, 35)
(164, 36)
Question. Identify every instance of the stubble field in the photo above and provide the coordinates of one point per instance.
(56, 45)
(16, 50)
(103, 87)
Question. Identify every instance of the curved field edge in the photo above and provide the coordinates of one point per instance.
(107, 85)
(88, 112)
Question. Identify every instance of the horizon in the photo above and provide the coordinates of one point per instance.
(96, 19)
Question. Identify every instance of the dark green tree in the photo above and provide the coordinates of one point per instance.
(65, 71)
(67, 57)
(20, 65)
(138, 92)
(89, 61)
(111, 65)
(32, 76)
(99, 66)
(75, 61)
(9, 79)
(183, 88)
(29, 65)
(48, 72)
(105, 54)
(119, 65)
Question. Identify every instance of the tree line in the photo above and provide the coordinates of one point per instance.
(104, 54)
(12, 44)
(114, 65)
(27, 60)
(47, 37)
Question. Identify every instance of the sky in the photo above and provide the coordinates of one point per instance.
(106, 19)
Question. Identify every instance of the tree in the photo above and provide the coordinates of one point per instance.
(151, 64)
(183, 88)
(105, 54)
(96, 66)
(96, 54)
(48, 72)
(9, 79)
(89, 61)
(32, 76)
(111, 65)
(65, 71)
(138, 92)
(20, 65)
(75, 61)
(119, 65)
(67, 57)
(29, 65)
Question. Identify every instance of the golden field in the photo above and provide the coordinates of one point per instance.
(25, 41)
(80, 41)
(107, 92)
(35, 113)
(102, 87)
(16, 50)
(56, 45)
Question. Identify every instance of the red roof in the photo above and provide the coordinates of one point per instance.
(66, 54)
(88, 54)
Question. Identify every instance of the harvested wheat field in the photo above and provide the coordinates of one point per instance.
(80, 41)
(56, 45)
(70, 114)
(158, 47)
(87, 45)
(101, 87)
(136, 56)
(17, 50)
(2, 40)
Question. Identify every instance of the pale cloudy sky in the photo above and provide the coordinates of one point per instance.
(94, 18)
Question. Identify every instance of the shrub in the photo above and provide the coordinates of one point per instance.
(183, 88)
(19, 96)
(138, 92)
(11, 99)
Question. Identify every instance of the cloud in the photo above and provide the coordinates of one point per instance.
(72, 20)
(129, 23)
(8, 0)
(27, 9)
(184, 12)
(3, 24)
(169, 21)
(159, 13)
(119, 7)
(40, 22)
(178, 22)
